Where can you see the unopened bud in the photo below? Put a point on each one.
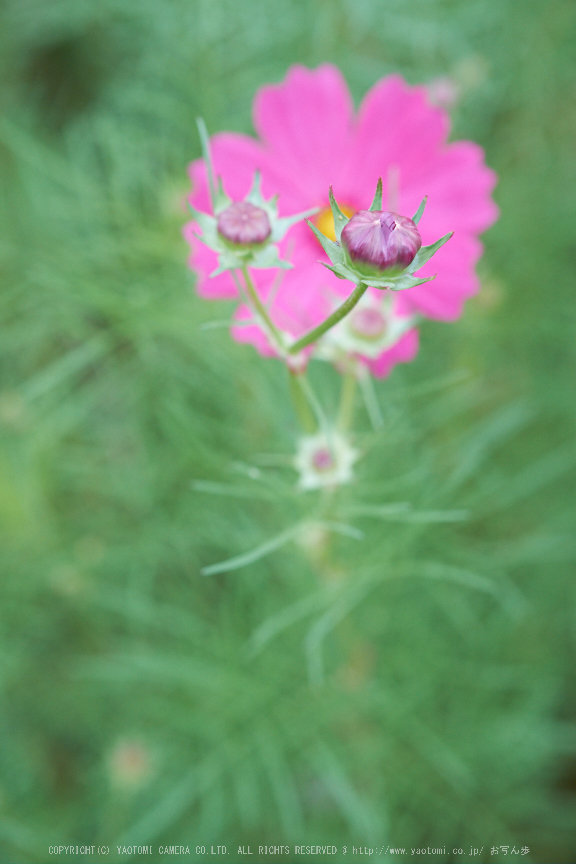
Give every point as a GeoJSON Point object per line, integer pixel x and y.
{"type": "Point", "coordinates": [244, 224]}
{"type": "Point", "coordinates": [367, 322]}
{"type": "Point", "coordinates": [381, 241]}
{"type": "Point", "coordinates": [322, 459]}
{"type": "Point", "coordinates": [130, 765]}
{"type": "Point", "coordinates": [325, 461]}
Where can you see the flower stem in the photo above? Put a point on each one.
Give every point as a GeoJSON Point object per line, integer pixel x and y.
{"type": "Point", "coordinates": [347, 399]}
{"type": "Point", "coordinates": [263, 312]}
{"type": "Point", "coordinates": [305, 401]}
{"type": "Point", "coordinates": [371, 400]}
{"type": "Point", "coordinates": [301, 401]}
{"type": "Point", "coordinates": [333, 319]}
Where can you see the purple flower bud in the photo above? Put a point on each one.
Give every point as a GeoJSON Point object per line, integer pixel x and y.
{"type": "Point", "coordinates": [244, 223]}
{"type": "Point", "coordinates": [381, 240]}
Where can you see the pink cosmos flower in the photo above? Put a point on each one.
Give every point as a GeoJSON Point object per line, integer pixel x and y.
{"type": "Point", "coordinates": [311, 139]}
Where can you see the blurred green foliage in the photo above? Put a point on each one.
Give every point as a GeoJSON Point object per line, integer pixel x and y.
{"type": "Point", "coordinates": [412, 688]}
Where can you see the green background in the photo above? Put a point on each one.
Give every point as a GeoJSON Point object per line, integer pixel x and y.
{"type": "Point", "coordinates": [411, 689]}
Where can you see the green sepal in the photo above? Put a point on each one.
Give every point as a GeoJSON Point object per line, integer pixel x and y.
{"type": "Point", "coordinates": [406, 280]}
{"type": "Point", "coordinates": [209, 236]}
{"type": "Point", "coordinates": [267, 257]}
{"type": "Point", "coordinates": [394, 283]}
{"type": "Point", "coordinates": [255, 194]}
{"type": "Point", "coordinates": [255, 197]}
{"type": "Point", "coordinates": [205, 220]}
{"type": "Point", "coordinates": [222, 201]}
{"type": "Point", "coordinates": [281, 226]}
{"type": "Point", "coordinates": [377, 201]}
{"type": "Point", "coordinates": [227, 261]}
{"type": "Point", "coordinates": [418, 215]}
{"type": "Point", "coordinates": [426, 252]}
{"type": "Point", "coordinates": [205, 144]}
{"type": "Point", "coordinates": [341, 271]}
{"type": "Point", "coordinates": [340, 219]}
{"type": "Point", "coordinates": [332, 249]}
{"type": "Point", "coordinates": [207, 241]}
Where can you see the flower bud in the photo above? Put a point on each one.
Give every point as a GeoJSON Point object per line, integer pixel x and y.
{"type": "Point", "coordinates": [130, 765]}
{"type": "Point", "coordinates": [367, 322]}
{"type": "Point", "coordinates": [325, 460]}
{"type": "Point", "coordinates": [243, 223]}
{"type": "Point", "coordinates": [381, 241]}
{"type": "Point", "coordinates": [322, 459]}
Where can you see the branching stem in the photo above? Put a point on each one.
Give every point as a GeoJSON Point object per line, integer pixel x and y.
{"type": "Point", "coordinates": [263, 312]}
{"type": "Point", "coordinates": [332, 319]}
{"type": "Point", "coordinates": [306, 403]}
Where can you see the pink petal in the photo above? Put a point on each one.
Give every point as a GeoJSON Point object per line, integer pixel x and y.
{"type": "Point", "coordinates": [459, 186]}
{"type": "Point", "coordinates": [396, 128]}
{"type": "Point", "coordinates": [302, 302]}
{"type": "Point", "coordinates": [455, 281]}
{"type": "Point", "coordinates": [235, 158]}
{"type": "Point", "coordinates": [402, 352]}
{"type": "Point", "coordinates": [306, 123]}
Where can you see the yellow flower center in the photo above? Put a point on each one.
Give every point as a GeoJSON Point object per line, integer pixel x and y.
{"type": "Point", "coordinates": [325, 220]}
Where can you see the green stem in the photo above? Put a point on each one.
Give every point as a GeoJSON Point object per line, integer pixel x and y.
{"type": "Point", "coordinates": [313, 401]}
{"type": "Point", "coordinates": [333, 319]}
{"type": "Point", "coordinates": [205, 142]}
{"type": "Point", "coordinates": [370, 400]}
{"type": "Point", "coordinates": [347, 399]}
{"type": "Point", "coordinates": [302, 406]}
{"type": "Point", "coordinates": [305, 401]}
{"type": "Point", "coordinates": [263, 312]}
